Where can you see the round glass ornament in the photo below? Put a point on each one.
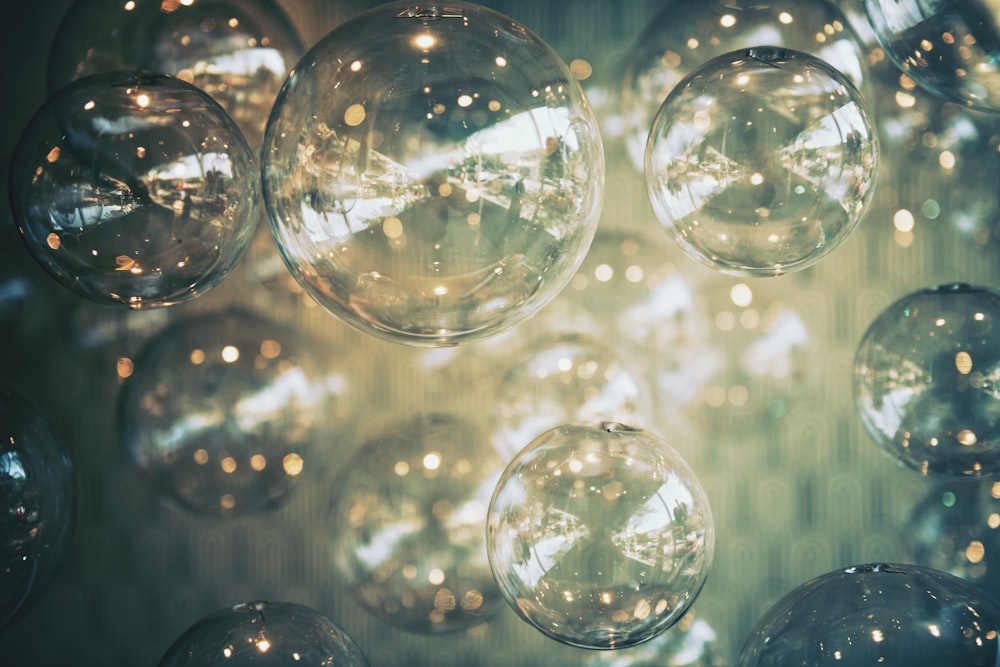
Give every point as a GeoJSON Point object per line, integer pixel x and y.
{"type": "Point", "coordinates": [688, 33]}
{"type": "Point", "coordinates": [134, 189]}
{"type": "Point", "coordinates": [949, 47]}
{"type": "Point", "coordinates": [37, 503]}
{"type": "Point", "coordinates": [432, 174]}
{"type": "Point", "coordinates": [224, 412]}
{"type": "Point", "coordinates": [264, 633]}
{"type": "Point", "coordinates": [237, 52]}
{"type": "Point", "coordinates": [878, 614]}
{"type": "Point", "coordinates": [924, 380]}
{"type": "Point", "coordinates": [761, 161]}
{"type": "Point", "coordinates": [407, 524]}
{"type": "Point", "coordinates": [600, 536]}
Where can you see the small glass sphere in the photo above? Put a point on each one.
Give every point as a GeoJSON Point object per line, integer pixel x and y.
{"type": "Point", "coordinates": [690, 643]}
{"type": "Point", "coordinates": [564, 378]}
{"type": "Point", "coordinates": [924, 380]}
{"type": "Point", "coordinates": [761, 161]}
{"type": "Point", "coordinates": [948, 47]}
{"type": "Point", "coordinates": [600, 536]}
{"type": "Point", "coordinates": [264, 633]}
{"type": "Point", "coordinates": [37, 503]}
{"type": "Point", "coordinates": [687, 33]}
{"type": "Point", "coordinates": [239, 53]}
{"type": "Point", "coordinates": [134, 189]}
{"type": "Point", "coordinates": [225, 412]}
{"type": "Point", "coordinates": [432, 175]}
{"type": "Point", "coordinates": [407, 524]}
{"type": "Point", "coordinates": [878, 614]}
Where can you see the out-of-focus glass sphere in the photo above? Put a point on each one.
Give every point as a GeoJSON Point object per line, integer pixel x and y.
{"type": "Point", "coordinates": [432, 175]}
{"type": "Point", "coordinates": [878, 614]}
{"type": "Point", "coordinates": [925, 380]}
{"type": "Point", "coordinates": [37, 503]}
{"type": "Point", "coordinates": [949, 47]}
{"type": "Point", "coordinates": [564, 378]}
{"type": "Point", "coordinates": [761, 161]}
{"type": "Point", "coordinates": [690, 643]}
{"type": "Point", "coordinates": [600, 536]}
{"type": "Point", "coordinates": [134, 189]}
{"type": "Point", "coordinates": [225, 412]}
{"type": "Point", "coordinates": [688, 33]}
{"type": "Point", "coordinates": [264, 633]}
{"type": "Point", "coordinates": [406, 524]}
{"type": "Point", "coordinates": [237, 52]}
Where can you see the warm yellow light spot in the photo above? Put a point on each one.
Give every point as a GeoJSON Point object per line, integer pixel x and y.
{"type": "Point", "coordinates": [993, 520]}
{"type": "Point", "coordinates": [604, 273]}
{"type": "Point", "coordinates": [129, 6]}
{"type": "Point", "coordinates": [785, 18]}
{"type": "Point", "coordinates": [89, 105]}
{"type": "Point", "coordinates": [432, 460]}
{"type": "Point", "coordinates": [741, 295]}
{"type": "Point", "coordinates": [605, 597]}
{"type": "Point", "coordinates": [979, 317]}
{"type": "Point", "coordinates": [142, 99]}
{"type": "Point", "coordinates": [756, 178]}
{"type": "Point", "coordinates": [230, 354]}
{"type": "Point", "coordinates": [258, 462]}
{"type": "Point", "coordinates": [201, 456]}
{"type": "Point", "coordinates": [905, 100]}
{"type": "Point", "coordinates": [436, 576]}
{"type": "Point", "coordinates": [402, 468]}
{"type": "Point", "coordinates": [947, 160]}
{"type": "Point", "coordinates": [52, 240]}
{"type": "Point", "coordinates": [472, 600]}
{"type": "Point", "coordinates": [692, 43]}
{"type": "Point", "coordinates": [228, 465]}
{"type": "Point", "coordinates": [975, 552]}
{"type": "Point", "coordinates": [124, 263]}
{"type": "Point", "coordinates": [354, 115]}
{"type": "Point", "coordinates": [967, 437]}
{"type": "Point", "coordinates": [263, 645]}
{"type": "Point", "coordinates": [440, 290]}
{"type": "Point", "coordinates": [444, 190]}
{"type": "Point", "coordinates": [634, 274]}
{"type": "Point", "coordinates": [877, 636]}
{"type": "Point", "coordinates": [727, 20]}
{"type": "Point", "coordinates": [292, 464]}
{"type": "Point", "coordinates": [934, 630]}
{"type": "Point", "coordinates": [424, 41]}
{"type": "Point", "coordinates": [228, 651]}
{"type": "Point", "coordinates": [575, 465]}
{"type": "Point", "coordinates": [612, 490]}
{"type": "Point", "coordinates": [356, 66]}
{"type": "Point", "coordinates": [53, 154]}
{"type": "Point", "coordinates": [124, 367]}
{"type": "Point", "coordinates": [940, 322]}
{"type": "Point", "coordinates": [738, 395]}
{"type": "Point", "coordinates": [743, 80]}
{"type": "Point", "coordinates": [464, 100]}
{"type": "Point", "coordinates": [963, 362]}
{"type": "Point", "coordinates": [409, 571]}
{"type": "Point", "coordinates": [581, 69]}
{"type": "Point", "coordinates": [233, 22]}
{"type": "Point", "coordinates": [197, 357]}
{"type": "Point", "coordinates": [444, 600]}
{"type": "Point", "coordinates": [270, 348]}
{"type": "Point", "coordinates": [392, 227]}
{"type": "Point", "coordinates": [494, 105]}
{"type": "Point", "coordinates": [500, 61]}
{"type": "Point", "coordinates": [903, 220]}
{"type": "Point", "coordinates": [227, 502]}
{"type": "Point", "coordinates": [642, 609]}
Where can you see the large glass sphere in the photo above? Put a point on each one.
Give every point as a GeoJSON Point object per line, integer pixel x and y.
{"type": "Point", "coordinates": [237, 52]}
{"type": "Point", "coordinates": [924, 380]}
{"type": "Point", "coordinates": [761, 161]}
{"type": "Point", "coordinates": [949, 47]}
{"type": "Point", "coordinates": [225, 412]}
{"type": "Point", "coordinates": [37, 503]}
{"type": "Point", "coordinates": [878, 614]}
{"type": "Point", "coordinates": [432, 174]}
{"type": "Point", "coordinates": [688, 33]}
{"type": "Point", "coordinates": [406, 524]}
{"type": "Point", "coordinates": [134, 189]}
{"type": "Point", "coordinates": [272, 634]}
{"type": "Point", "coordinates": [600, 536]}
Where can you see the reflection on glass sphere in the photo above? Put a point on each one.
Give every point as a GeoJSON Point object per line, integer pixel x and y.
{"type": "Point", "coordinates": [264, 633]}
{"type": "Point", "coordinates": [761, 161]}
{"type": "Point", "coordinates": [134, 189]}
{"type": "Point", "coordinates": [226, 411]}
{"type": "Point", "coordinates": [878, 614]}
{"type": "Point", "coordinates": [690, 643]}
{"type": "Point", "coordinates": [407, 531]}
{"type": "Point", "coordinates": [949, 47]}
{"type": "Point", "coordinates": [600, 536]}
{"type": "Point", "coordinates": [37, 503]}
{"type": "Point", "coordinates": [564, 378]}
{"type": "Point", "coordinates": [925, 376]}
{"type": "Point", "coordinates": [432, 176]}
{"type": "Point", "coordinates": [239, 53]}
{"type": "Point", "coordinates": [689, 33]}
{"type": "Point", "coordinates": [956, 529]}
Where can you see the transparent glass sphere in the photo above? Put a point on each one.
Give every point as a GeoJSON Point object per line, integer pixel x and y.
{"type": "Point", "coordinates": [134, 189]}
{"type": "Point", "coordinates": [272, 634]}
{"type": "Point", "coordinates": [563, 378]}
{"type": "Point", "coordinates": [406, 524]}
{"type": "Point", "coordinates": [925, 375]}
{"type": "Point", "coordinates": [688, 33]}
{"type": "Point", "coordinates": [949, 47]}
{"type": "Point", "coordinates": [432, 174]}
{"type": "Point", "coordinates": [878, 614]}
{"type": "Point", "coordinates": [237, 52]}
{"type": "Point", "coordinates": [600, 536]}
{"type": "Point", "coordinates": [690, 643]}
{"type": "Point", "coordinates": [226, 412]}
{"type": "Point", "coordinates": [37, 503]}
{"type": "Point", "coordinates": [761, 161]}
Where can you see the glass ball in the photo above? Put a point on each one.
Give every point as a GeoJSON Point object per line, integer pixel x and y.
{"type": "Point", "coordinates": [691, 643]}
{"type": "Point", "coordinates": [239, 53]}
{"type": "Point", "coordinates": [563, 378]}
{"type": "Point", "coordinates": [924, 380]}
{"type": "Point", "coordinates": [264, 633]}
{"type": "Point", "coordinates": [878, 614]}
{"type": "Point", "coordinates": [600, 536]}
{"type": "Point", "coordinates": [688, 33]}
{"type": "Point", "coordinates": [134, 189]}
{"type": "Point", "coordinates": [432, 175]}
{"type": "Point", "coordinates": [761, 161]}
{"type": "Point", "coordinates": [406, 524]}
{"type": "Point", "coordinates": [947, 47]}
{"type": "Point", "coordinates": [226, 412]}
{"type": "Point", "coordinates": [37, 503]}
